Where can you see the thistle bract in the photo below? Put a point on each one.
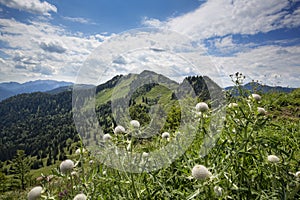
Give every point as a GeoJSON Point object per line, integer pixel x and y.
{"type": "Point", "coordinates": [145, 154]}
{"type": "Point", "coordinates": [165, 135]}
{"type": "Point", "coordinates": [202, 107]}
{"type": "Point", "coordinates": [35, 193]}
{"type": "Point", "coordinates": [119, 129]}
{"type": "Point", "coordinates": [66, 166]}
{"type": "Point", "coordinates": [80, 197]}
{"type": "Point", "coordinates": [79, 151]}
{"type": "Point", "coordinates": [135, 123]}
{"type": "Point", "coordinates": [106, 137]}
{"type": "Point", "coordinates": [273, 159]}
{"type": "Point", "coordinates": [261, 111]}
{"type": "Point", "coordinates": [200, 172]}
{"type": "Point", "coordinates": [256, 97]}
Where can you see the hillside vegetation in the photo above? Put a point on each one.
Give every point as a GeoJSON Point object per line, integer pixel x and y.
{"type": "Point", "coordinates": [255, 154]}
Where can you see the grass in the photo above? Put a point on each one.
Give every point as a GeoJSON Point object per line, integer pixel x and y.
{"type": "Point", "coordinates": [237, 159]}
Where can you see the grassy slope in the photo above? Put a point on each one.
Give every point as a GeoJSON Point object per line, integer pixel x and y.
{"type": "Point", "coordinates": [284, 109]}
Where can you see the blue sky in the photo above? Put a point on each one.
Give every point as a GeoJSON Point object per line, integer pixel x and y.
{"type": "Point", "coordinates": [52, 39]}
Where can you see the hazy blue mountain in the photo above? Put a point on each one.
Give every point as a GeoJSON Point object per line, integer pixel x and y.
{"type": "Point", "coordinates": [257, 87]}
{"type": "Point", "coordinates": [8, 89]}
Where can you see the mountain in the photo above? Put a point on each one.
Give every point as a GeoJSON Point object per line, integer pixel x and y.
{"type": "Point", "coordinates": [42, 123]}
{"type": "Point", "coordinates": [8, 89]}
{"type": "Point", "coordinates": [257, 87]}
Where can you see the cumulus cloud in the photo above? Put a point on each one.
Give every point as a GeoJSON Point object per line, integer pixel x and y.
{"type": "Point", "coordinates": [152, 22]}
{"type": "Point", "coordinates": [220, 18]}
{"type": "Point", "coordinates": [214, 22]}
{"type": "Point", "coordinates": [32, 6]}
{"type": "Point", "coordinates": [37, 49]}
{"type": "Point", "coordinates": [263, 63]}
{"type": "Point", "coordinates": [53, 46]}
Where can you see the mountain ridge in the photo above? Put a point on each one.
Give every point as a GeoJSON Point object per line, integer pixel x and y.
{"type": "Point", "coordinates": [8, 89]}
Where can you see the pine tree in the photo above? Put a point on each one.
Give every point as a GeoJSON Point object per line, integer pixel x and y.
{"type": "Point", "coordinates": [20, 167]}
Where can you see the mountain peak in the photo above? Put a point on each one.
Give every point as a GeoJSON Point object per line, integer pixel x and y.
{"type": "Point", "coordinates": [8, 89]}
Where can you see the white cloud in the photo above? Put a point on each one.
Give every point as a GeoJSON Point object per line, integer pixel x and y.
{"type": "Point", "coordinates": [32, 6]}
{"type": "Point", "coordinates": [38, 49]}
{"type": "Point", "coordinates": [263, 63]}
{"type": "Point", "coordinates": [152, 22]}
{"type": "Point", "coordinates": [79, 20]}
{"type": "Point", "coordinates": [220, 18]}
{"type": "Point", "coordinates": [53, 46]}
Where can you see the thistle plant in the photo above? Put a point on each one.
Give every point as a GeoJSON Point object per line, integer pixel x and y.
{"type": "Point", "coordinates": [253, 157]}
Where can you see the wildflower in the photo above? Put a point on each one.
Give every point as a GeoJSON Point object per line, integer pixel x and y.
{"type": "Point", "coordinates": [66, 166]}
{"type": "Point", "coordinates": [80, 197]}
{"type": "Point", "coordinates": [200, 172]}
{"type": "Point", "coordinates": [106, 137]}
{"type": "Point", "coordinates": [73, 173]}
{"type": "Point", "coordinates": [202, 107]}
{"type": "Point", "coordinates": [35, 193]}
{"type": "Point", "coordinates": [233, 105]}
{"type": "Point", "coordinates": [273, 159]}
{"type": "Point", "coordinates": [256, 97]}
{"type": "Point", "coordinates": [145, 154]}
{"type": "Point", "coordinates": [63, 194]}
{"type": "Point", "coordinates": [119, 129]}
{"type": "Point", "coordinates": [91, 162]}
{"type": "Point", "coordinates": [165, 135]}
{"type": "Point", "coordinates": [135, 123]}
{"type": "Point", "coordinates": [218, 190]}
{"type": "Point", "coordinates": [79, 151]}
{"type": "Point", "coordinates": [261, 111]}
{"type": "Point", "coordinates": [297, 174]}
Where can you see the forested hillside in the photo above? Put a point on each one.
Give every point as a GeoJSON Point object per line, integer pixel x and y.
{"type": "Point", "coordinates": [40, 123]}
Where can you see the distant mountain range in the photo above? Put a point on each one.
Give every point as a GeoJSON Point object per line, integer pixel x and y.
{"type": "Point", "coordinates": [8, 89]}
{"type": "Point", "coordinates": [41, 120]}
{"type": "Point", "coordinates": [257, 87]}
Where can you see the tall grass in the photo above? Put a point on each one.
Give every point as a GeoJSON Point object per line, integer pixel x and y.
{"type": "Point", "coordinates": [239, 164]}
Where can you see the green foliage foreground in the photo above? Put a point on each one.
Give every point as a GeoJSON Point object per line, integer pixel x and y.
{"type": "Point", "coordinates": [256, 157]}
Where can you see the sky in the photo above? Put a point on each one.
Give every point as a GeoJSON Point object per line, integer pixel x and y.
{"type": "Point", "coordinates": [54, 39]}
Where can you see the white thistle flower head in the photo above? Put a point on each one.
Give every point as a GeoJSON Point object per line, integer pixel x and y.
{"type": "Point", "coordinates": [145, 155]}
{"type": "Point", "coordinates": [91, 162]}
{"type": "Point", "coordinates": [35, 193]}
{"type": "Point", "coordinates": [256, 97]}
{"type": "Point", "coordinates": [119, 129]}
{"type": "Point", "coordinates": [106, 137]}
{"type": "Point", "coordinates": [73, 173]}
{"type": "Point", "coordinates": [273, 159]}
{"type": "Point", "coordinates": [297, 174]}
{"type": "Point", "coordinates": [66, 166]}
{"type": "Point", "coordinates": [233, 105]}
{"type": "Point", "coordinates": [261, 111]}
{"type": "Point", "coordinates": [80, 197]}
{"type": "Point", "coordinates": [165, 135]}
{"type": "Point", "coordinates": [135, 123]}
{"type": "Point", "coordinates": [200, 172]}
{"type": "Point", "coordinates": [218, 190]}
{"type": "Point", "coordinates": [202, 107]}
{"type": "Point", "coordinates": [80, 151]}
